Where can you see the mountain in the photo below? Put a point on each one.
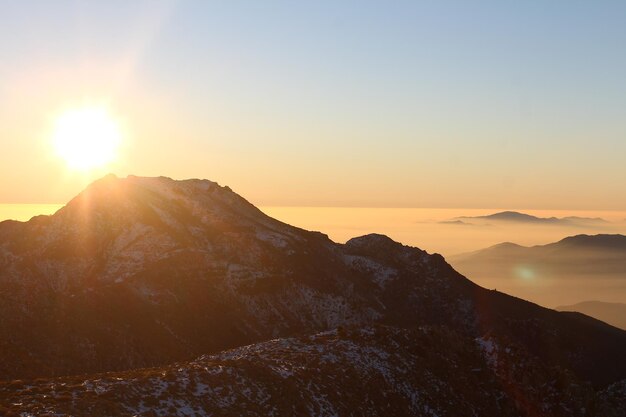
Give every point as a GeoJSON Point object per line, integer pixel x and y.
{"type": "Point", "coordinates": [612, 313]}
{"type": "Point", "coordinates": [573, 268]}
{"type": "Point", "coordinates": [517, 217]}
{"type": "Point", "coordinates": [342, 372]}
{"type": "Point", "coordinates": [603, 242]}
{"type": "Point", "coordinates": [139, 273]}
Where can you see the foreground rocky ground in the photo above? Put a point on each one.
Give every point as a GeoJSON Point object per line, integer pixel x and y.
{"type": "Point", "coordinates": [375, 371]}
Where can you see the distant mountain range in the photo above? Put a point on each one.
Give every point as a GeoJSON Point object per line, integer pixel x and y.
{"type": "Point", "coordinates": [576, 267]}
{"type": "Point", "coordinates": [202, 305]}
{"type": "Point", "coordinates": [612, 313]}
{"type": "Point", "coordinates": [517, 217]}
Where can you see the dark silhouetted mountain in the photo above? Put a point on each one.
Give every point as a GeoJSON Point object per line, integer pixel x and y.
{"type": "Point", "coordinates": [612, 313]}
{"type": "Point", "coordinates": [574, 268]}
{"type": "Point", "coordinates": [514, 216]}
{"type": "Point", "coordinates": [144, 272]}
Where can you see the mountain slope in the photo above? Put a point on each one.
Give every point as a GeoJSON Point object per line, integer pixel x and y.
{"type": "Point", "coordinates": [140, 272]}
{"type": "Point", "coordinates": [373, 371]}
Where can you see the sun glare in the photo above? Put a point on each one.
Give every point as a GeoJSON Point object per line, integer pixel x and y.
{"type": "Point", "coordinates": [86, 138]}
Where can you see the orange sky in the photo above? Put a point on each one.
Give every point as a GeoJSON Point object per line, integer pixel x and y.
{"type": "Point", "coordinates": [416, 227]}
{"type": "Point", "coordinates": [326, 104]}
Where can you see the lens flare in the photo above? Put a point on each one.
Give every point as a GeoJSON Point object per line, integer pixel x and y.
{"type": "Point", "coordinates": [525, 272]}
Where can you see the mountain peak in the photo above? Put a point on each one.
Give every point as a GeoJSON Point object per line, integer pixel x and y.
{"type": "Point", "coordinates": [125, 195]}
{"type": "Point", "coordinates": [373, 243]}
{"type": "Point", "coordinates": [600, 241]}
{"type": "Point", "coordinates": [162, 185]}
{"type": "Point", "coordinates": [517, 216]}
{"type": "Point", "coordinates": [376, 239]}
{"type": "Point", "coordinates": [506, 245]}
{"type": "Point", "coordinates": [117, 226]}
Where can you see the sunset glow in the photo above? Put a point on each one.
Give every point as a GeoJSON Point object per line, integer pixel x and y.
{"type": "Point", "coordinates": [86, 138]}
{"type": "Point", "coordinates": [323, 208]}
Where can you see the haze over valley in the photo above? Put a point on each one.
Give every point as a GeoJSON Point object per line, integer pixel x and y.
{"type": "Point", "coordinates": [433, 229]}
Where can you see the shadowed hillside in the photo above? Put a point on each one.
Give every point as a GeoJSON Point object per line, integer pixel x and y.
{"type": "Point", "coordinates": [341, 372]}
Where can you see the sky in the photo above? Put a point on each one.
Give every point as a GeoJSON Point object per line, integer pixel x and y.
{"type": "Point", "coordinates": [350, 103]}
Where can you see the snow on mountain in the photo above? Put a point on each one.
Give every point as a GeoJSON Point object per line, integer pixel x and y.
{"type": "Point", "coordinates": [375, 371]}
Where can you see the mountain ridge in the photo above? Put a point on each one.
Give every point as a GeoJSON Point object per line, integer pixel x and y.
{"type": "Point", "coordinates": [601, 241]}
{"type": "Point", "coordinates": [519, 217]}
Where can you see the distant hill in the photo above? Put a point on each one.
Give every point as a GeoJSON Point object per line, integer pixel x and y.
{"type": "Point", "coordinates": [514, 216]}
{"type": "Point", "coordinates": [612, 313]}
{"type": "Point", "coordinates": [602, 242]}
{"type": "Point", "coordinates": [563, 272]}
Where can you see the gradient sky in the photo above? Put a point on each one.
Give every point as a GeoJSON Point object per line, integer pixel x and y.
{"type": "Point", "coordinates": [335, 103]}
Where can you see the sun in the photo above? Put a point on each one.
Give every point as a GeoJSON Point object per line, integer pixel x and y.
{"type": "Point", "coordinates": [87, 137]}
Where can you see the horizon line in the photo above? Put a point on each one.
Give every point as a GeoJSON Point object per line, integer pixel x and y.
{"type": "Point", "coordinates": [354, 206]}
